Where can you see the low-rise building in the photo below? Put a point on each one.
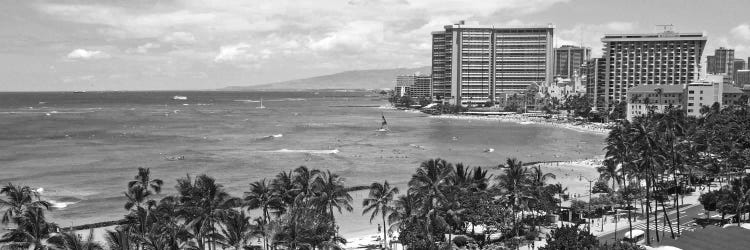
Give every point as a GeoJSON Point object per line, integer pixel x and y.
{"type": "Point", "coordinates": [655, 97]}
{"type": "Point", "coordinates": [414, 86]}
{"type": "Point", "coordinates": [687, 97]}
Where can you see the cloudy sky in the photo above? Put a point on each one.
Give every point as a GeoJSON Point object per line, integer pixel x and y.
{"type": "Point", "coordinates": [207, 44]}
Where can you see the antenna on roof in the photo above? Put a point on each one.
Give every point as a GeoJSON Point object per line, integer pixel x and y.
{"type": "Point", "coordinates": [666, 27]}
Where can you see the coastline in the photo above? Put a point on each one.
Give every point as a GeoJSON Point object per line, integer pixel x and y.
{"type": "Point", "coordinates": [595, 128]}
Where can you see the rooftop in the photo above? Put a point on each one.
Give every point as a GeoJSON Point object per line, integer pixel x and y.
{"type": "Point", "coordinates": [653, 37]}
{"type": "Point", "coordinates": [729, 89]}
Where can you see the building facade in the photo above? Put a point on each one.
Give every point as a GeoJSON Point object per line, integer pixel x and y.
{"type": "Point", "coordinates": [654, 97]}
{"type": "Point", "coordinates": [639, 59]}
{"type": "Point", "coordinates": [476, 64]}
{"type": "Point", "coordinates": [721, 61]}
{"type": "Point", "coordinates": [569, 59]}
{"type": "Point", "coordinates": [595, 70]}
{"type": "Point", "coordinates": [414, 86]}
{"type": "Point", "coordinates": [738, 64]}
{"type": "Point", "coordinates": [687, 97]}
{"type": "Point", "coordinates": [743, 78]}
{"type": "Point", "coordinates": [422, 88]}
{"type": "Point", "coordinates": [403, 85]}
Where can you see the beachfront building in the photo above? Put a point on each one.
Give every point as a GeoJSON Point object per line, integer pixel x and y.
{"type": "Point", "coordinates": [403, 85]}
{"type": "Point", "coordinates": [632, 60]}
{"type": "Point", "coordinates": [415, 86]}
{"type": "Point", "coordinates": [569, 59]}
{"type": "Point", "coordinates": [688, 97]}
{"type": "Point", "coordinates": [422, 88]}
{"type": "Point", "coordinates": [475, 64]}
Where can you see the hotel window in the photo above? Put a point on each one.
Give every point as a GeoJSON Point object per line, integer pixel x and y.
{"type": "Point", "coordinates": [690, 104]}
{"type": "Point", "coordinates": [691, 92]}
{"type": "Point", "coordinates": [690, 111]}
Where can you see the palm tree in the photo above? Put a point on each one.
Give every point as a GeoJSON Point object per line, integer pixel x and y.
{"type": "Point", "coordinates": [538, 177]}
{"type": "Point", "coordinates": [430, 180]}
{"type": "Point", "coordinates": [262, 196]}
{"type": "Point", "coordinates": [119, 239]}
{"type": "Point", "coordinates": [19, 199]}
{"type": "Point", "coordinates": [69, 240]}
{"type": "Point", "coordinates": [304, 180]}
{"type": "Point", "coordinates": [379, 201]}
{"type": "Point", "coordinates": [237, 230]}
{"type": "Point", "coordinates": [332, 194]}
{"type": "Point", "coordinates": [204, 201]}
{"type": "Point", "coordinates": [137, 195]}
{"type": "Point", "coordinates": [32, 229]}
{"type": "Point", "coordinates": [405, 210]}
{"type": "Point", "coordinates": [144, 180]}
{"type": "Point", "coordinates": [610, 171]}
{"type": "Point", "coordinates": [514, 181]}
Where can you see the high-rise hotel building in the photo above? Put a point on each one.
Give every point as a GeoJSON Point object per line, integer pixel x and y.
{"type": "Point", "coordinates": [568, 60]}
{"type": "Point", "coordinates": [637, 59]}
{"type": "Point", "coordinates": [476, 64]}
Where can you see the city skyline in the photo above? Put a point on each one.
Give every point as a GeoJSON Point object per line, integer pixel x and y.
{"type": "Point", "coordinates": [157, 45]}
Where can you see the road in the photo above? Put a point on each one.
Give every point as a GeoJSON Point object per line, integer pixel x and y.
{"type": "Point", "coordinates": [687, 218]}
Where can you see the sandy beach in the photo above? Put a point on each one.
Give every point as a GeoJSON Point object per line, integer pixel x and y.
{"type": "Point", "coordinates": [596, 128]}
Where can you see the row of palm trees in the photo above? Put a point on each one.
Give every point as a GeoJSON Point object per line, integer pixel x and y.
{"type": "Point", "coordinates": [443, 198]}
{"type": "Point", "coordinates": [655, 157]}
{"type": "Point", "coordinates": [296, 212]}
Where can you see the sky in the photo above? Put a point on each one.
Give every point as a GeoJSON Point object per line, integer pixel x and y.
{"type": "Point", "coordinates": [68, 45]}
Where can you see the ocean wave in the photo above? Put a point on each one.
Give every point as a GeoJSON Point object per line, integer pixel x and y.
{"type": "Point", "coordinates": [307, 151]}
{"type": "Point", "coordinates": [61, 204]}
{"type": "Point", "coordinates": [247, 100]}
{"type": "Point", "coordinates": [269, 137]}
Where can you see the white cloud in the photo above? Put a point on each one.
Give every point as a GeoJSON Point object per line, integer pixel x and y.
{"type": "Point", "coordinates": [142, 49]}
{"type": "Point", "coordinates": [742, 31]}
{"type": "Point", "coordinates": [179, 38]}
{"type": "Point", "coordinates": [619, 26]}
{"type": "Point", "coordinates": [590, 35]}
{"type": "Point", "coordinates": [241, 52]}
{"type": "Point", "coordinates": [84, 54]}
{"type": "Point", "coordinates": [356, 36]}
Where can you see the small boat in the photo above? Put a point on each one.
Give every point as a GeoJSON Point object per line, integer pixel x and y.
{"type": "Point", "coordinates": [489, 150]}
{"type": "Point", "coordinates": [79, 91]}
{"type": "Point", "coordinates": [179, 97]}
{"type": "Point", "coordinates": [261, 104]}
{"type": "Point", "coordinates": [383, 125]}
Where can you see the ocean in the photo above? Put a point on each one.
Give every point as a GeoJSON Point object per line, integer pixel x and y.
{"type": "Point", "coordinates": [81, 149]}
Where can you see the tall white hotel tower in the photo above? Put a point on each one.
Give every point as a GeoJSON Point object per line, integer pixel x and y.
{"type": "Point", "coordinates": [476, 64]}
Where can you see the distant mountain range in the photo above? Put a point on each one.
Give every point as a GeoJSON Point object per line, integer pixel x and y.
{"type": "Point", "coordinates": [355, 79]}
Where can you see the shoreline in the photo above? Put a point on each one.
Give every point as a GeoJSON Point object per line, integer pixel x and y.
{"type": "Point", "coordinates": [594, 128]}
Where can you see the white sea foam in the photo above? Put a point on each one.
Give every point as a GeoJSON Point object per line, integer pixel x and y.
{"type": "Point", "coordinates": [61, 204]}
{"type": "Point", "coordinates": [306, 151]}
